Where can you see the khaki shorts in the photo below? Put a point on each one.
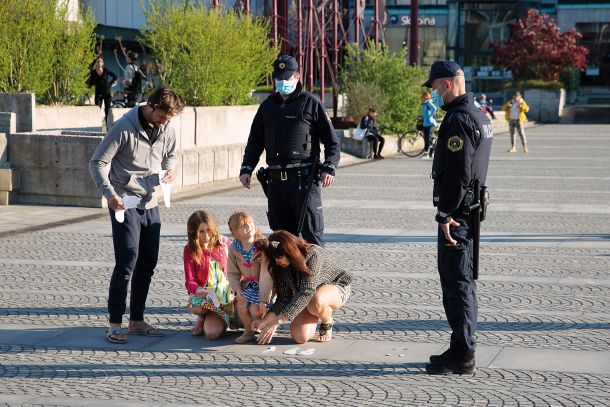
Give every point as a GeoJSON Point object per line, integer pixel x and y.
{"type": "Point", "coordinates": [345, 292]}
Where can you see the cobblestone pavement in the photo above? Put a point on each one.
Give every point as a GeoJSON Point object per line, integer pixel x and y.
{"type": "Point", "coordinates": [544, 325]}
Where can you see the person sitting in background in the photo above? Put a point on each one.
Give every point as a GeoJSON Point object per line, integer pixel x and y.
{"type": "Point", "coordinates": [372, 133]}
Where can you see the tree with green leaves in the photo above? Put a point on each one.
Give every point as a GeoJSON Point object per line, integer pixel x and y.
{"type": "Point", "coordinates": [44, 53]}
{"type": "Point", "coordinates": [210, 57]}
{"type": "Point", "coordinates": [375, 77]}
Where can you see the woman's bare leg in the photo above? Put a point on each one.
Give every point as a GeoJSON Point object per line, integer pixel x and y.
{"type": "Point", "coordinates": [303, 327]}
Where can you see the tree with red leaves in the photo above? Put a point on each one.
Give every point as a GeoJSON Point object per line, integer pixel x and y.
{"type": "Point", "coordinates": [537, 49]}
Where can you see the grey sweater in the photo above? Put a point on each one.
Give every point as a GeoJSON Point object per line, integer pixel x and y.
{"type": "Point", "coordinates": [134, 160]}
{"type": "Point", "coordinates": [295, 290]}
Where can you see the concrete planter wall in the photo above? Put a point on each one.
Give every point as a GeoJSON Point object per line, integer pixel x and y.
{"type": "Point", "coordinates": [53, 166]}
{"type": "Point", "coordinates": [362, 148]}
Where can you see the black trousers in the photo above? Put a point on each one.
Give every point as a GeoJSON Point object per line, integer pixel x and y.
{"type": "Point", "coordinates": [459, 288]}
{"type": "Point", "coordinates": [107, 99]}
{"type": "Point", "coordinates": [377, 143]}
{"type": "Point", "coordinates": [428, 134]}
{"type": "Point", "coordinates": [285, 200]}
{"type": "Point", "coordinates": [136, 250]}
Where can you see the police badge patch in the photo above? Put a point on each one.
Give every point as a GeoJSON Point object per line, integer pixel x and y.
{"type": "Point", "coordinates": [455, 143]}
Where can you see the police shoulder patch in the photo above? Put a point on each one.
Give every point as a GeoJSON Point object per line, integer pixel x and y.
{"type": "Point", "coordinates": [455, 143]}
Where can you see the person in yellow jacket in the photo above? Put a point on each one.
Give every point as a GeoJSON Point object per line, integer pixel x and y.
{"type": "Point", "coordinates": [515, 111]}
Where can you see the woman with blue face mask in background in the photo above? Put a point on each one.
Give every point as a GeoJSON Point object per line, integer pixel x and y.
{"type": "Point", "coordinates": [428, 111]}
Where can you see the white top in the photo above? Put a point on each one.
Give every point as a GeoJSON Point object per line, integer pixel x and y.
{"type": "Point", "coordinates": [514, 111]}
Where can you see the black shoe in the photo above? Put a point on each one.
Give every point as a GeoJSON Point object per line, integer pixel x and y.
{"type": "Point", "coordinates": [451, 363]}
{"type": "Point", "coordinates": [380, 157]}
{"type": "Point", "coordinates": [437, 359]}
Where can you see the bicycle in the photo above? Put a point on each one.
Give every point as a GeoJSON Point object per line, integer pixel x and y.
{"type": "Point", "coordinates": [130, 98]}
{"type": "Point", "coordinates": [412, 143]}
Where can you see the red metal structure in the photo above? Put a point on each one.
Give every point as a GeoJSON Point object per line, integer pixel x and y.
{"type": "Point", "coordinates": [315, 33]}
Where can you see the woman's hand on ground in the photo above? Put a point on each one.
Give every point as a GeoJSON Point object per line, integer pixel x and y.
{"type": "Point", "coordinates": [267, 326]}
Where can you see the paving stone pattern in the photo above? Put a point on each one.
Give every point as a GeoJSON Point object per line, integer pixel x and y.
{"type": "Point", "coordinates": [545, 285]}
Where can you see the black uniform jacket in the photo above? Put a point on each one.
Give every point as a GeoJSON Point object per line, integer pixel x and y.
{"type": "Point", "coordinates": [462, 154]}
{"type": "Point", "coordinates": [290, 131]}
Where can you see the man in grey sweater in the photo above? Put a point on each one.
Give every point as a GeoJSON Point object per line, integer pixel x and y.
{"type": "Point", "coordinates": [137, 147]}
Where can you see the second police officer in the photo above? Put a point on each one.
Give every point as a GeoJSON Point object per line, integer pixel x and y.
{"type": "Point", "coordinates": [289, 126]}
{"type": "Point", "coordinates": [460, 167]}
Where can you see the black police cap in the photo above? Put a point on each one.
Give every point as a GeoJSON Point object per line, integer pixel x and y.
{"type": "Point", "coordinates": [443, 69]}
{"type": "Point", "coordinates": [284, 67]}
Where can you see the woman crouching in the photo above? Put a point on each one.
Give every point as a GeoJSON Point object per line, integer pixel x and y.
{"type": "Point", "coordinates": [309, 286]}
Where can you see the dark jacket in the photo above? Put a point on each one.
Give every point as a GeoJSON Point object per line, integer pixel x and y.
{"type": "Point", "coordinates": [462, 155]}
{"type": "Point", "coordinates": [101, 82]}
{"type": "Point", "coordinates": [290, 131]}
{"type": "Point", "coordinates": [295, 290]}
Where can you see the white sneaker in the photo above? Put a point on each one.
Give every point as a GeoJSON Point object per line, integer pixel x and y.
{"type": "Point", "coordinates": [425, 156]}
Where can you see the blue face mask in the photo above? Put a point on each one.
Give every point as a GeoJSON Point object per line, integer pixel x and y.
{"type": "Point", "coordinates": [436, 98]}
{"type": "Point", "coordinates": [286, 87]}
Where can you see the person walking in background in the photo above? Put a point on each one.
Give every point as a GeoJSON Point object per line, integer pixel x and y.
{"type": "Point", "coordinates": [428, 111]}
{"type": "Point", "coordinates": [126, 167]}
{"type": "Point", "coordinates": [102, 79]}
{"type": "Point", "coordinates": [486, 105]}
{"type": "Point", "coordinates": [377, 141]}
{"type": "Point", "coordinates": [515, 111]}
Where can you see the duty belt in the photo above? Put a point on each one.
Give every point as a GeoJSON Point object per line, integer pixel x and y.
{"type": "Point", "coordinates": [290, 166]}
{"type": "Point", "coordinates": [289, 174]}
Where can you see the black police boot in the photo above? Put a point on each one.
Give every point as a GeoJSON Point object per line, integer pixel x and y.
{"type": "Point", "coordinates": [452, 363]}
{"type": "Point", "coordinates": [446, 355]}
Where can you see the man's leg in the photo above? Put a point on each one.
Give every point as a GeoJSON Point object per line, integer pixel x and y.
{"type": "Point", "coordinates": [147, 261]}
{"type": "Point", "coordinates": [381, 141]}
{"type": "Point", "coordinates": [459, 301]}
{"type": "Point", "coordinates": [126, 241]}
{"type": "Point", "coordinates": [313, 226]}
{"type": "Point", "coordinates": [281, 213]}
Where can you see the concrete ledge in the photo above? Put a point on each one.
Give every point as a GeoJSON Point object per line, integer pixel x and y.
{"type": "Point", "coordinates": [362, 148]}
{"type": "Point", "coordinates": [24, 107]}
{"type": "Point", "coordinates": [3, 149]}
{"type": "Point", "coordinates": [8, 122]}
{"type": "Point", "coordinates": [80, 117]}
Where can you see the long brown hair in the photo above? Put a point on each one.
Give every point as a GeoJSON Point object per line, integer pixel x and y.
{"type": "Point", "coordinates": [283, 243]}
{"type": "Point", "coordinates": [192, 227]}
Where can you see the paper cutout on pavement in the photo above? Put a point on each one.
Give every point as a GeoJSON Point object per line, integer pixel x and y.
{"type": "Point", "coordinates": [292, 351]}
{"type": "Point", "coordinates": [165, 188]}
{"type": "Point", "coordinates": [129, 202]}
{"type": "Point", "coordinates": [308, 352]}
{"type": "Point", "coordinates": [270, 349]}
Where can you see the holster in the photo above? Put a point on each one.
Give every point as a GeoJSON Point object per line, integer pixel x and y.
{"type": "Point", "coordinates": [262, 175]}
{"type": "Point", "coordinates": [485, 201]}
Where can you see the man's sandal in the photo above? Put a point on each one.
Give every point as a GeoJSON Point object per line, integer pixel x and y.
{"type": "Point", "coordinates": [147, 330]}
{"type": "Point", "coordinates": [115, 336]}
{"type": "Point", "coordinates": [325, 329]}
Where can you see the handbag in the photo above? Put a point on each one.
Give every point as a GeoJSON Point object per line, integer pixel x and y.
{"type": "Point", "coordinates": [359, 133]}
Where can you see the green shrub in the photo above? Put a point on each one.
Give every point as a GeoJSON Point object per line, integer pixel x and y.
{"type": "Point", "coordinates": [41, 52]}
{"type": "Point", "coordinates": [393, 85]}
{"type": "Point", "coordinates": [533, 84]}
{"type": "Point", "coordinates": [363, 95]}
{"type": "Point", "coordinates": [570, 78]}
{"type": "Point", "coordinates": [210, 57]}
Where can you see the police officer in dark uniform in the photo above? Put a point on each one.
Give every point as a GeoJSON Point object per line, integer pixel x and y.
{"type": "Point", "coordinates": [459, 168]}
{"type": "Point", "coordinates": [289, 126]}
